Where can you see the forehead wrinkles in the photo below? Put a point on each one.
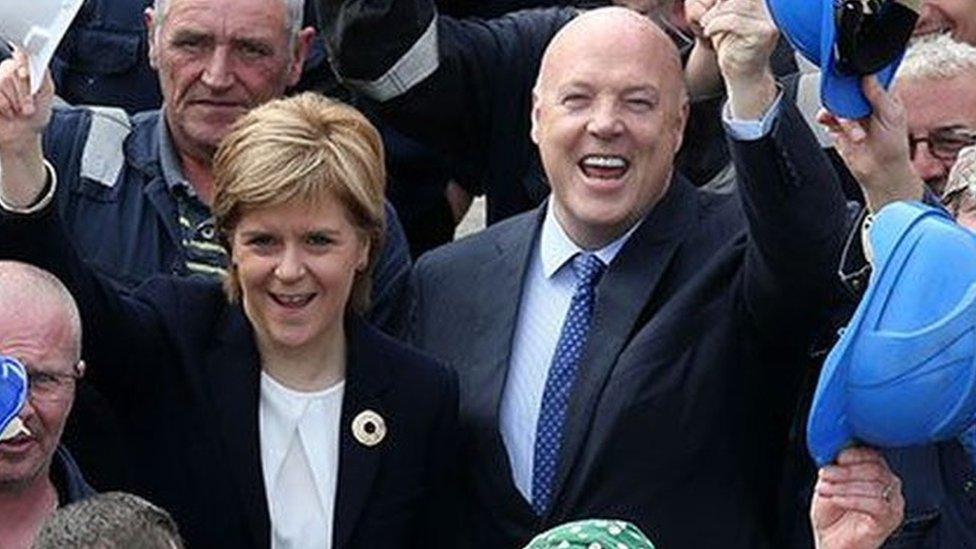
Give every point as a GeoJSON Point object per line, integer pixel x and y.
{"type": "Point", "coordinates": [44, 335]}
{"type": "Point", "coordinates": [249, 20]}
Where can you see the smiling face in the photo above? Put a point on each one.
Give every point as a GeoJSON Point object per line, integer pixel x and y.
{"type": "Point", "coordinates": [40, 336]}
{"type": "Point", "coordinates": [217, 59]}
{"type": "Point", "coordinates": [609, 110]}
{"type": "Point", "coordinates": [926, 113]}
{"type": "Point", "coordinates": [296, 264]}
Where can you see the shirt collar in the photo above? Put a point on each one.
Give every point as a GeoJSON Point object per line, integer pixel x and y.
{"type": "Point", "coordinates": [556, 248]}
{"type": "Point", "coordinates": [169, 161]}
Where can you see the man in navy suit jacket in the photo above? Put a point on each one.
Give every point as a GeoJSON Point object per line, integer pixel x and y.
{"type": "Point", "coordinates": [695, 342]}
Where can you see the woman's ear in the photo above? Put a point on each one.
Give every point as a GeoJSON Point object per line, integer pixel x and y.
{"type": "Point", "coordinates": [363, 262]}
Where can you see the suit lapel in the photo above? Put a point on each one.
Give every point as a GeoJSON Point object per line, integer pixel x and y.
{"type": "Point", "coordinates": [499, 285]}
{"type": "Point", "coordinates": [366, 380]}
{"type": "Point", "coordinates": [232, 374]}
{"type": "Point", "coordinates": [622, 296]}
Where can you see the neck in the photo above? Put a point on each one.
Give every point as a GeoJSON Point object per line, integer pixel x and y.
{"type": "Point", "coordinates": [309, 369]}
{"type": "Point", "coordinates": [24, 509]}
{"type": "Point", "coordinates": [198, 173]}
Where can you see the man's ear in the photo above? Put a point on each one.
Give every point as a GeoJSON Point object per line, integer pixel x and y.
{"type": "Point", "coordinates": [534, 132]}
{"type": "Point", "coordinates": [681, 122]}
{"type": "Point", "coordinates": [149, 18]}
{"type": "Point", "coordinates": [303, 44]}
{"type": "Point", "coordinates": [80, 368]}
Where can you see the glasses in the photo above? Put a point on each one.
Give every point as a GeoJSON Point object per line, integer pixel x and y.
{"type": "Point", "coordinates": [944, 143]}
{"type": "Point", "coordinates": [45, 386]}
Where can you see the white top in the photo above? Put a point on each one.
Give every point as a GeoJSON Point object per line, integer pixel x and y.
{"type": "Point", "coordinates": [549, 287]}
{"type": "Point", "coordinates": [300, 460]}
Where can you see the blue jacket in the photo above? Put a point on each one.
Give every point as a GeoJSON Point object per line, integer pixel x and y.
{"type": "Point", "coordinates": [116, 206]}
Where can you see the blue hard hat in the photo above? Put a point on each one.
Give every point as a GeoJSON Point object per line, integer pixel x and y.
{"type": "Point", "coordinates": [847, 44]}
{"type": "Point", "coordinates": [13, 389]}
{"type": "Point", "coordinates": [904, 371]}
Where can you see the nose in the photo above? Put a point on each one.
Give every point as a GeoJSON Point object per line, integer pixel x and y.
{"type": "Point", "coordinates": [605, 122]}
{"type": "Point", "coordinates": [929, 168]}
{"type": "Point", "coordinates": [218, 74]}
{"type": "Point", "coordinates": [291, 267]}
{"type": "Point", "coordinates": [28, 411]}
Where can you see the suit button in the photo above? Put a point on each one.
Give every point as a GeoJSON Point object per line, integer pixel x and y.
{"type": "Point", "coordinates": [969, 486]}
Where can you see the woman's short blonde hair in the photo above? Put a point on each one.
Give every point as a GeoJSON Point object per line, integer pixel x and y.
{"type": "Point", "coordinates": [306, 149]}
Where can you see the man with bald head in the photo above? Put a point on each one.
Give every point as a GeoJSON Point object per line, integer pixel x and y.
{"type": "Point", "coordinates": [631, 348]}
{"type": "Point", "coordinates": [39, 327]}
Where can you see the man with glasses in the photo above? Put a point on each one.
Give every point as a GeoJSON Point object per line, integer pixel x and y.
{"type": "Point", "coordinates": [41, 329]}
{"type": "Point", "coordinates": [937, 86]}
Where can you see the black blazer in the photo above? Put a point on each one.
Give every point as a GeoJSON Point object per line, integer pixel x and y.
{"type": "Point", "coordinates": [180, 366]}
{"type": "Point", "coordinates": [679, 416]}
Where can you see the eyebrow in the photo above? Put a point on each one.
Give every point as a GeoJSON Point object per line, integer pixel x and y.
{"type": "Point", "coordinates": [251, 42]}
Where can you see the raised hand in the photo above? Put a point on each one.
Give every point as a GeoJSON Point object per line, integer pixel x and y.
{"type": "Point", "coordinates": [857, 503]}
{"type": "Point", "coordinates": [23, 118]}
{"type": "Point", "coordinates": [744, 37]}
{"type": "Point", "coordinates": [875, 149]}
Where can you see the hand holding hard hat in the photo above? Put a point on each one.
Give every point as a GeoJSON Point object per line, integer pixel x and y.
{"type": "Point", "coordinates": [904, 371]}
{"type": "Point", "coordinates": [847, 40]}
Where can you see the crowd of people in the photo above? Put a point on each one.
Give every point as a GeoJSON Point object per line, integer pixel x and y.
{"type": "Point", "coordinates": [204, 276]}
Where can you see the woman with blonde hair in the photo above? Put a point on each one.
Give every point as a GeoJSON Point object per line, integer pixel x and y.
{"type": "Point", "coordinates": [267, 413]}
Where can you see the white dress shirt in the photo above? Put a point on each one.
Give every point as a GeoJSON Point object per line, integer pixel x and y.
{"type": "Point", "coordinates": [549, 287]}
{"type": "Point", "coordinates": [299, 435]}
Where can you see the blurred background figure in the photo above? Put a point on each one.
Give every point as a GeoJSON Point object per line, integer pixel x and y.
{"type": "Point", "coordinates": [114, 520]}
{"type": "Point", "coordinates": [960, 192]}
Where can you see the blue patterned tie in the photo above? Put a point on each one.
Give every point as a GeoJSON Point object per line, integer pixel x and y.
{"type": "Point", "coordinates": [559, 381]}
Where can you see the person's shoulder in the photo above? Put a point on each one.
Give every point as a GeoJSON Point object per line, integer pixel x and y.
{"type": "Point", "coordinates": [183, 300]}
{"type": "Point", "coordinates": [408, 369]}
{"type": "Point", "coordinates": [388, 350]}
{"type": "Point", "coordinates": [471, 250]}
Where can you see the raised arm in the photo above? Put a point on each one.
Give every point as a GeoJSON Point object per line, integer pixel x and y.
{"type": "Point", "coordinates": [118, 331]}
{"type": "Point", "coordinates": [797, 217]}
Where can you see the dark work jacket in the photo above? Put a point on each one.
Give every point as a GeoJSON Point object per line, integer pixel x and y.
{"type": "Point", "coordinates": [180, 367]}
{"type": "Point", "coordinates": [67, 478]}
{"type": "Point", "coordinates": [939, 486]}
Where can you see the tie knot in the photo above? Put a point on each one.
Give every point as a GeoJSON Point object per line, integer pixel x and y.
{"type": "Point", "coordinates": [588, 269]}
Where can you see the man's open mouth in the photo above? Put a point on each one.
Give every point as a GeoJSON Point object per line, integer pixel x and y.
{"type": "Point", "coordinates": [600, 166]}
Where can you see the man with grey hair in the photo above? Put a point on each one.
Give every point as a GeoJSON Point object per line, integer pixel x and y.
{"type": "Point", "coordinates": [936, 84]}
{"type": "Point", "coordinates": [114, 520]}
{"type": "Point", "coordinates": [40, 328]}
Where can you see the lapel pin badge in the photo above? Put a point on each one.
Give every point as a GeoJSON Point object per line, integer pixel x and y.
{"type": "Point", "coordinates": [369, 428]}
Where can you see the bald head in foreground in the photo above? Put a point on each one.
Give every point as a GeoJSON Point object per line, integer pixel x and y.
{"type": "Point", "coordinates": [609, 110]}
{"type": "Point", "coordinates": [39, 327]}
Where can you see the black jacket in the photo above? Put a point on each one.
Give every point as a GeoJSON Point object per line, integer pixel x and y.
{"type": "Point", "coordinates": [180, 366]}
